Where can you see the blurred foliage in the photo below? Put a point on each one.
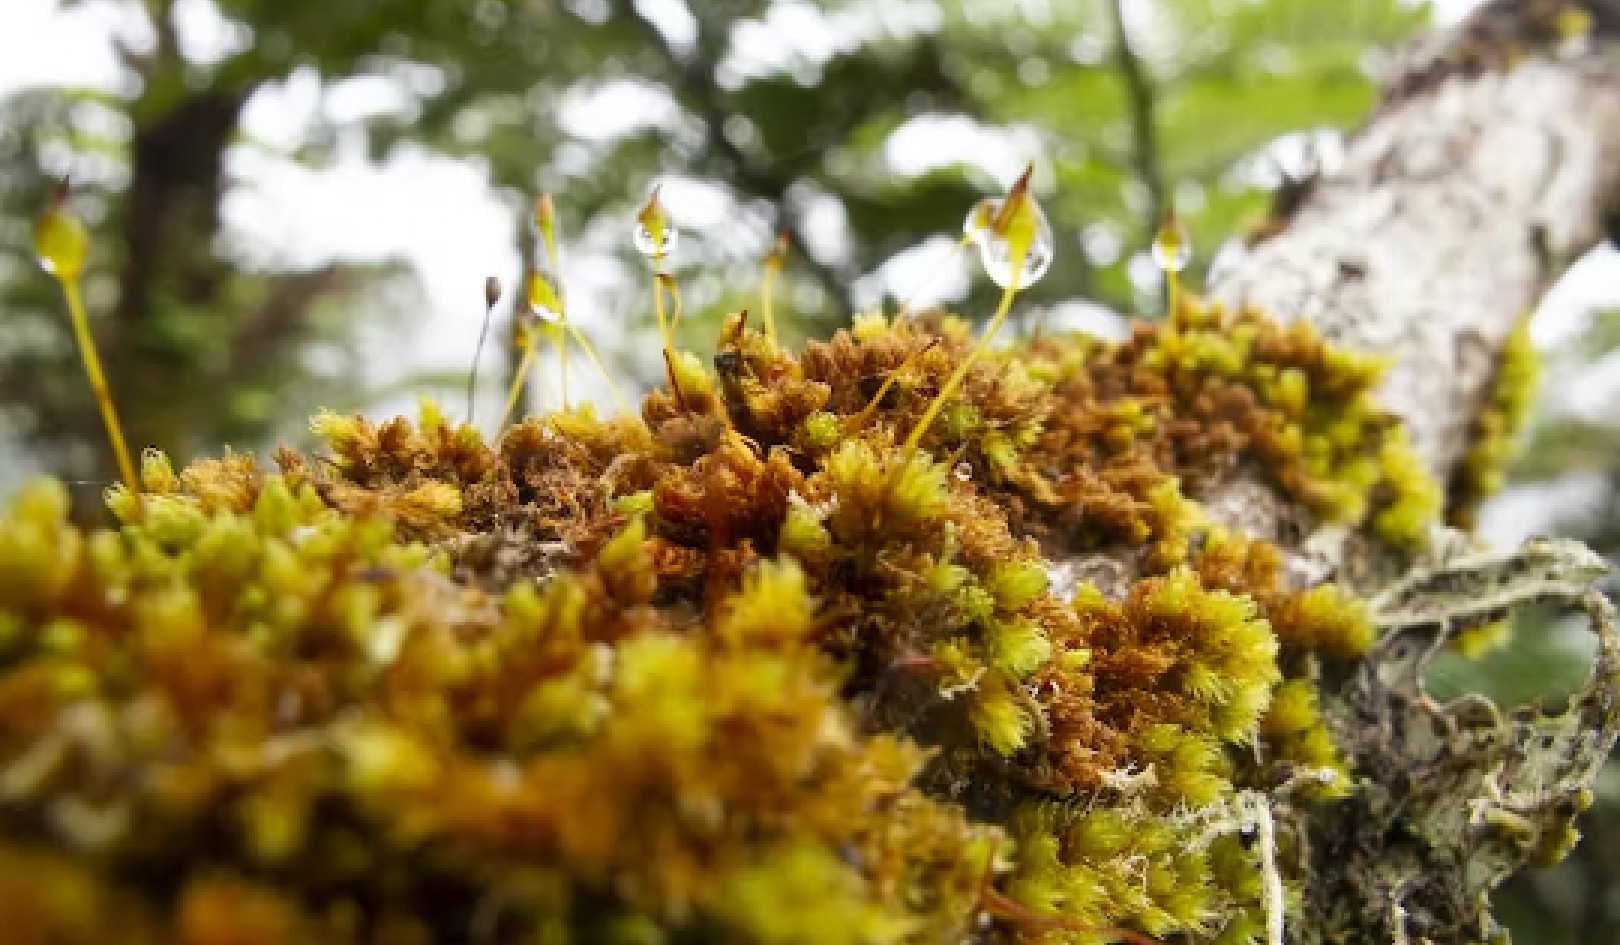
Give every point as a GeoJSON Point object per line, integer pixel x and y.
{"type": "Point", "coordinates": [788, 111]}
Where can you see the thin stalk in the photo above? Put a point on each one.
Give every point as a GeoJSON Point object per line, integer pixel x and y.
{"type": "Point", "coordinates": [525, 365]}
{"type": "Point", "coordinates": [674, 290]}
{"type": "Point", "coordinates": [997, 903]}
{"type": "Point", "coordinates": [478, 352]}
{"type": "Point", "coordinates": [98, 385]}
{"type": "Point", "coordinates": [562, 316]}
{"type": "Point", "coordinates": [663, 323]}
{"type": "Point", "coordinates": [933, 276]}
{"type": "Point", "coordinates": [766, 289]}
{"type": "Point", "coordinates": [858, 422]}
{"type": "Point", "coordinates": [590, 352]}
{"type": "Point", "coordinates": [960, 374]}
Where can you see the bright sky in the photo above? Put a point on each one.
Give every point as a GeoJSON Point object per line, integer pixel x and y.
{"type": "Point", "coordinates": [439, 214]}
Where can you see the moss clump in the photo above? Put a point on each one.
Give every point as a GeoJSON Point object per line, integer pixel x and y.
{"type": "Point", "coordinates": [741, 669]}
{"type": "Point", "coordinates": [1206, 391]}
{"type": "Point", "coordinates": [1496, 427]}
{"type": "Point", "coordinates": [296, 728]}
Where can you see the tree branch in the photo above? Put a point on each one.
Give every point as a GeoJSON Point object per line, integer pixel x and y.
{"type": "Point", "coordinates": [1144, 131]}
{"type": "Point", "coordinates": [1455, 210]}
{"type": "Point", "coordinates": [1492, 164]}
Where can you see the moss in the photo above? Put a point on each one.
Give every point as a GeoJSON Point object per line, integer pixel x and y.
{"type": "Point", "coordinates": [317, 698]}
{"type": "Point", "coordinates": [1192, 397]}
{"type": "Point", "coordinates": [1496, 427]}
{"type": "Point", "coordinates": [1477, 642]}
{"type": "Point", "coordinates": [738, 670]}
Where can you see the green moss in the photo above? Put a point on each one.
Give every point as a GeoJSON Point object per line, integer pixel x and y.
{"type": "Point", "coordinates": [733, 671]}
{"type": "Point", "coordinates": [286, 663]}
{"type": "Point", "coordinates": [1496, 427]}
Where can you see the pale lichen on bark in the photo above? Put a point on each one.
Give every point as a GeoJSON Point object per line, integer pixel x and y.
{"type": "Point", "coordinates": [1452, 799]}
{"type": "Point", "coordinates": [1491, 166]}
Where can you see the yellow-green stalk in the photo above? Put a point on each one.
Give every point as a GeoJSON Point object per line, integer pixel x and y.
{"type": "Point", "coordinates": [1017, 223]}
{"type": "Point", "coordinates": [545, 223]}
{"type": "Point", "coordinates": [773, 267]}
{"type": "Point", "coordinates": [61, 245]}
{"type": "Point", "coordinates": [540, 298]}
{"type": "Point", "coordinates": [1172, 250]}
{"type": "Point", "coordinates": [933, 276]}
{"type": "Point", "coordinates": [654, 237]}
{"type": "Point", "coordinates": [858, 422]}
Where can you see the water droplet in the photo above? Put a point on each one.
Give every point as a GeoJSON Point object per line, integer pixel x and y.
{"type": "Point", "coordinates": [61, 242]}
{"type": "Point", "coordinates": [1172, 247]}
{"type": "Point", "coordinates": [542, 296]}
{"type": "Point", "coordinates": [648, 245]}
{"type": "Point", "coordinates": [963, 471]}
{"type": "Point", "coordinates": [655, 237]}
{"type": "Point", "coordinates": [996, 249]}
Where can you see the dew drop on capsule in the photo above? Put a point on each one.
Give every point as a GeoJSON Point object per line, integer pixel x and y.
{"type": "Point", "coordinates": [963, 471]}
{"type": "Point", "coordinates": [996, 251]}
{"type": "Point", "coordinates": [654, 236]}
{"type": "Point", "coordinates": [649, 246]}
{"type": "Point", "coordinates": [61, 242]}
{"type": "Point", "coordinates": [542, 297]}
{"type": "Point", "coordinates": [1172, 247]}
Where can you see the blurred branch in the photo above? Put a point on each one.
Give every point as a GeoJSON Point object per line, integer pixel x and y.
{"type": "Point", "coordinates": [1144, 132]}
{"type": "Point", "coordinates": [278, 322]}
{"type": "Point", "coordinates": [694, 81]}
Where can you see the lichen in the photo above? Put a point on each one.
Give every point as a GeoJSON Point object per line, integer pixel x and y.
{"type": "Point", "coordinates": [742, 669]}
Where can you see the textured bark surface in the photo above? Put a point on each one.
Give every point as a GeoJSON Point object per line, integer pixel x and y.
{"type": "Point", "coordinates": [1488, 170]}
{"type": "Point", "coordinates": [1453, 799]}
{"type": "Point", "coordinates": [1493, 164]}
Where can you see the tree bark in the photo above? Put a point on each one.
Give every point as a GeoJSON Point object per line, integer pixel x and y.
{"type": "Point", "coordinates": [1492, 164]}
{"type": "Point", "coordinates": [1467, 194]}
